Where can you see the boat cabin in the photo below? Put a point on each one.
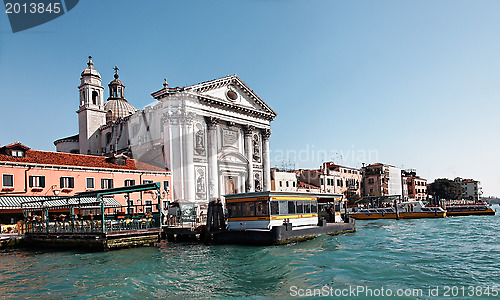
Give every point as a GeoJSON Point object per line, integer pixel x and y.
{"type": "Point", "coordinates": [264, 210]}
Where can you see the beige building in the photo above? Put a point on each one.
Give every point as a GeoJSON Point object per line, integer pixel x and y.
{"type": "Point", "coordinates": [414, 187]}
{"type": "Point", "coordinates": [381, 180]}
{"type": "Point", "coordinates": [332, 178]}
{"type": "Point", "coordinates": [472, 188]}
{"type": "Point", "coordinates": [283, 181]}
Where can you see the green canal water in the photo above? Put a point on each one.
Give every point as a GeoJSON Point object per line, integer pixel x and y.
{"type": "Point", "coordinates": [460, 255]}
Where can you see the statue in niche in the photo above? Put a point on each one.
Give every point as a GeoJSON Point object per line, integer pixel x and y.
{"type": "Point", "coordinates": [258, 186]}
{"type": "Point", "coordinates": [199, 137]}
{"type": "Point", "coordinates": [200, 181]}
{"type": "Point", "coordinates": [256, 148]}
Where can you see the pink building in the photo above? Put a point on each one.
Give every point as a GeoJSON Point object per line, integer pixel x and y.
{"type": "Point", "coordinates": [28, 173]}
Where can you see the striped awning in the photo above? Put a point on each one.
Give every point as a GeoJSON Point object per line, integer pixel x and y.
{"type": "Point", "coordinates": [34, 202]}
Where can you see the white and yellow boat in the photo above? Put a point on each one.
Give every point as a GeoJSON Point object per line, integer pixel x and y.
{"type": "Point", "coordinates": [404, 210]}
{"type": "Point", "coordinates": [280, 217]}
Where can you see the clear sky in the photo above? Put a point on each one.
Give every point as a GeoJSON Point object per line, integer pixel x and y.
{"type": "Point", "coordinates": [415, 83]}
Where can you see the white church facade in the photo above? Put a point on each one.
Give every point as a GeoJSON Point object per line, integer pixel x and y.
{"type": "Point", "coordinates": [212, 136]}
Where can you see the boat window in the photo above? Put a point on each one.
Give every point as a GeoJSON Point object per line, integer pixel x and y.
{"type": "Point", "coordinates": [314, 207]}
{"type": "Point", "coordinates": [248, 209]}
{"type": "Point", "coordinates": [300, 207]}
{"type": "Point", "coordinates": [307, 207]}
{"type": "Point", "coordinates": [283, 207]}
{"type": "Point", "coordinates": [291, 207]}
{"type": "Point", "coordinates": [261, 208]}
{"type": "Point", "coordinates": [274, 208]}
{"type": "Point", "coordinates": [234, 209]}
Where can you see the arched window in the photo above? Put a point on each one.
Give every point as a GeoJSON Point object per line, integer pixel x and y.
{"type": "Point", "coordinates": [108, 138]}
{"type": "Point", "coordinates": [95, 97]}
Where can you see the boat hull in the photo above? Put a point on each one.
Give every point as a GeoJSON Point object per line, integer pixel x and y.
{"type": "Point", "coordinates": [402, 215]}
{"type": "Point", "coordinates": [488, 212]}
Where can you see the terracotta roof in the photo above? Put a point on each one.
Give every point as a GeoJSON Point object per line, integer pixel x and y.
{"type": "Point", "coordinates": [16, 145]}
{"type": "Point", "coordinates": [301, 184]}
{"type": "Point", "coordinates": [67, 159]}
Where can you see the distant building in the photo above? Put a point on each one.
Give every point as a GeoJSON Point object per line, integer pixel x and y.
{"type": "Point", "coordinates": [382, 180]}
{"type": "Point", "coordinates": [414, 187]}
{"type": "Point", "coordinates": [332, 178]}
{"type": "Point", "coordinates": [283, 180]}
{"type": "Point", "coordinates": [346, 181]}
{"type": "Point", "coordinates": [31, 174]}
{"type": "Point", "coordinates": [472, 188]}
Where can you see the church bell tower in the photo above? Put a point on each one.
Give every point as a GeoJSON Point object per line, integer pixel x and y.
{"type": "Point", "coordinates": [91, 114]}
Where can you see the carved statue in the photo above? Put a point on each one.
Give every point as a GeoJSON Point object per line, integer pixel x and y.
{"type": "Point", "coordinates": [200, 181]}
{"type": "Point", "coordinates": [199, 140]}
{"type": "Point", "coordinates": [256, 148]}
{"type": "Point", "coordinates": [258, 186]}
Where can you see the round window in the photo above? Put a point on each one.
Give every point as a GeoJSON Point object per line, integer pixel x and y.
{"type": "Point", "coordinates": [231, 95]}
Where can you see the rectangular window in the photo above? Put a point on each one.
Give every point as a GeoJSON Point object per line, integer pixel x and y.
{"type": "Point", "coordinates": [66, 182]}
{"type": "Point", "coordinates": [307, 207]}
{"type": "Point", "coordinates": [287, 184]}
{"type": "Point", "coordinates": [248, 209]}
{"type": "Point", "coordinates": [234, 210]}
{"type": "Point", "coordinates": [283, 207]}
{"type": "Point", "coordinates": [17, 153]}
{"type": "Point", "coordinates": [106, 183]}
{"type": "Point", "coordinates": [314, 207]}
{"type": "Point", "coordinates": [261, 208]}
{"type": "Point", "coordinates": [129, 182]}
{"type": "Point", "coordinates": [166, 185]}
{"type": "Point", "coordinates": [147, 181]}
{"type": "Point", "coordinates": [8, 180]}
{"type": "Point", "coordinates": [90, 183]}
{"type": "Point", "coordinates": [300, 207]}
{"type": "Point", "coordinates": [130, 207]}
{"type": "Point", "coordinates": [274, 208]}
{"type": "Point", "coordinates": [37, 181]}
{"type": "Point", "coordinates": [149, 206]}
{"type": "Point", "coordinates": [291, 207]}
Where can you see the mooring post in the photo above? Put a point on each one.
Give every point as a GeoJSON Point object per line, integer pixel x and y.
{"type": "Point", "coordinates": [396, 208]}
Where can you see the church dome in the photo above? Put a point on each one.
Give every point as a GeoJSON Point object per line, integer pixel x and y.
{"type": "Point", "coordinates": [118, 108]}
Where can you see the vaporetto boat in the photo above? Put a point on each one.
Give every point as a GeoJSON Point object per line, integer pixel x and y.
{"type": "Point", "coordinates": [404, 210]}
{"type": "Point", "coordinates": [458, 209]}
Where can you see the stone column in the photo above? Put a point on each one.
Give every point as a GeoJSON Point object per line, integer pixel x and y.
{"type": "Point", "coordinates": [175, 145]}
{"type": "Point", "coordinates": [188, 162]}
{"type": "Point", "coordinates": [213, 167]}
{"type": "Point", "coordinates": [266, 159]}
{"type": "Point", "coordinates": [248, 130]}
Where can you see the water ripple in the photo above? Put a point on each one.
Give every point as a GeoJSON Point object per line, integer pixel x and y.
{"type": "Point", "coordinates": [392, 254]}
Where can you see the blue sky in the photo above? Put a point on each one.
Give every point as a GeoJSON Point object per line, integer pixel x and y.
{"type": "Point", "coordinates": [412, 83]}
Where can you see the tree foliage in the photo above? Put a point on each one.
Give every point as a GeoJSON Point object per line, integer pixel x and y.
{"type": "Point", "coordinates": [445, 189]}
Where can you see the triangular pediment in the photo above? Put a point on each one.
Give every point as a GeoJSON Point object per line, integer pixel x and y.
{"type": "Point", "coordinates": [234, 91]}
